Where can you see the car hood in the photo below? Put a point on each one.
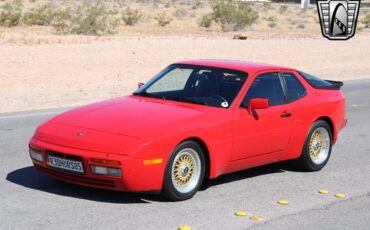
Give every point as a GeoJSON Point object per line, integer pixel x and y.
{"type": "Point", "coordinates": [130, 116]}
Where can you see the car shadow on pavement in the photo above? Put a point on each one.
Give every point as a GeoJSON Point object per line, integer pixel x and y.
{"type": "Point", "coordinates": [29, 177]}
{"type": "Point", "coordinates": [279, 167]}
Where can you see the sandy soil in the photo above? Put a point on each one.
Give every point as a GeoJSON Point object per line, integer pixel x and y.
{"type": "Point", "coordinates": [59, 75]}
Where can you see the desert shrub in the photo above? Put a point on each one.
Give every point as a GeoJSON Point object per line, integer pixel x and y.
{"type": "Point", "coordinates": [366, 21]}
{"type": "Point", "coordinates": [89, 19]}
{"type": "Point", "coordinates": [11, 13]}
{"type": "Point", "coordinates": [283, 9]}
{"type": "Point", "coordinates": [206, 21]}
{"type": "Point", "coordinates": [62, 20]}
{"type": "Point", "coordinates": [42, 16]}
{"type": "Point", "coordinates": [271, 19]}
{"type": "Point", "coordinates": [197, 4]}
{"type": "Point", "coordinates": [233, 15]}
{"type": "Point", "coordinates": [167, 5]}
{"type": "Point", "coordinates": [267, 5]}
{"type": "Point", "coordinates": [302, 12]}
{"type": "Point", "coordinates": [131, 17]}
{"type": "Point", "coordinates": [301, 26]}
{"type": "Point", "coordinates": [180, 13]}
{"type": "Point", "coordinates": [163, 19]}
{"type": "Point", "coordinates": [272, 24]}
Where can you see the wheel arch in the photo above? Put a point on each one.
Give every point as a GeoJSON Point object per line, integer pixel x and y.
{"type": "Point", "coordinates": [205, 149]}
{"type": "Point", "coordinates": [329, 121]}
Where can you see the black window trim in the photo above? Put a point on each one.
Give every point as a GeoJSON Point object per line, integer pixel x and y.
{"type": "Point", "coordinates": [182, 65]}
{"type": "Point", "coordinates": [286, 87]}
{"type": "Point", "coordinates": [283, 86]}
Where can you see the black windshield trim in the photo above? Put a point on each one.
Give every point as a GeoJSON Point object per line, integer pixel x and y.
{"type": "Point", "coordinates": [142, 91]}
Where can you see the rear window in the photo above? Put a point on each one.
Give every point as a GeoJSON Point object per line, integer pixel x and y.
{"type": "Point", "coordinates": [315, 81]}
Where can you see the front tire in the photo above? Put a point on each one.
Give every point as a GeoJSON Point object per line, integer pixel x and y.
{"type": "Point", "coordinates": [184, 171]}
{"type": "Point", "coordinates": [317, 148]}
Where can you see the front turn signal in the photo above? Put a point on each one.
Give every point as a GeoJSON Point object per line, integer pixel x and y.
{"type": "Point", "coordinates": [153, 161]}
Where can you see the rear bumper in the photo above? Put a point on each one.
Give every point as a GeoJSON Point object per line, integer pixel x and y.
{"type": "Point", "coordinates": [135, 175]}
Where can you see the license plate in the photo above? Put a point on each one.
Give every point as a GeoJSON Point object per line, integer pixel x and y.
{"type": "Point", "coordinates": [69, 165]}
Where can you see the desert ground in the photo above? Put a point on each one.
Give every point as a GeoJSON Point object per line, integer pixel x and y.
{"type": "Point", "coordinates": [62, 75]}
{"type": "Point", "coordinates": [42, 69]}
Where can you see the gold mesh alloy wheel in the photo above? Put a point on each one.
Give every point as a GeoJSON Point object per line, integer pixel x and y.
{"type": "Point", "coordinates": [186, 170]}
{"type": "Point", "coordinates": [319, 145]}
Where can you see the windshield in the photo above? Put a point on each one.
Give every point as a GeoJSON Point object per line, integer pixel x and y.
{"type": "Point", "coordinates": [195, 84]}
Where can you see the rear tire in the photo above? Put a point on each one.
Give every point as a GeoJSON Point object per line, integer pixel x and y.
{"type": "Point", "coordinates": [184, 171]}
{"type": "Point", "coordinates": [317, 148]}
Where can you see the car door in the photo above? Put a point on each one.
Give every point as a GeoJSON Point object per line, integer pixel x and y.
{"type": "Point", "coordinates": [262, 131]}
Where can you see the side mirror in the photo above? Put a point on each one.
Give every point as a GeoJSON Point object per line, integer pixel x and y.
{"type": "Point", "coordinates": [139, 85]}
{"type": "Point", "coordinates": [258, 103]}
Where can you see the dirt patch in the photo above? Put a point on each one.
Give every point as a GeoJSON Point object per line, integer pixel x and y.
{"type": "Point", "coordinates": [44, 76]}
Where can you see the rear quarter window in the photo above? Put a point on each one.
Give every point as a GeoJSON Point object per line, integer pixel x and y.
{"type": "Point", "coordinates": [314, 81]}
{"type": "Point", "coordinates": [295, 89]}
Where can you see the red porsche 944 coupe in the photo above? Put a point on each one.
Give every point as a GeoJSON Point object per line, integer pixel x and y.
{"type": "Point", "coordinates": [194, 120]}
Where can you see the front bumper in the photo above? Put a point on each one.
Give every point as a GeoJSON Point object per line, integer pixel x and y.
{"type": "Point", "coordinates": [135, 175]}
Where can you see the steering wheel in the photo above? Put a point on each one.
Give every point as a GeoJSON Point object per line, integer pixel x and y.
{"type": "Point", "coordinates": [221, 98]}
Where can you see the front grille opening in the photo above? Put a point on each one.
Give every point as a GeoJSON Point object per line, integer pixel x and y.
{"type": "Point", "coordinates": [64, 155]}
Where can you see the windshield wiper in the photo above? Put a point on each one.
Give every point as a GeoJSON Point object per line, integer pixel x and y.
{"type": "Point", "coordinates": [145, 94]}
{"type": "Point", "coordinates": [190, 100]}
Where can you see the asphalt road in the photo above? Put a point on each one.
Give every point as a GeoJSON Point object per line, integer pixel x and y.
{"type": "Point", "coordinates": [30, 200]}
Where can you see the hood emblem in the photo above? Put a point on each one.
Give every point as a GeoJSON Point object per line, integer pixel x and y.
{"type": "Point", "coordinates": [80, 133]}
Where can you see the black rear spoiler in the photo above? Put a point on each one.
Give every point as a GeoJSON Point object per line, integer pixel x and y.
{"type": "Point", "coordinates": [334, 85]}
{"type": "Point", "coordinates": [319, 83]}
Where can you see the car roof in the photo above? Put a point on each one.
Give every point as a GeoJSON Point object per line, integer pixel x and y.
{"type": "Point", "coordinates": [245, 66]}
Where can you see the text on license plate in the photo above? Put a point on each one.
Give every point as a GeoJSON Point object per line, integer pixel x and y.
{"type": "Point", "coordinates": [70, 165]}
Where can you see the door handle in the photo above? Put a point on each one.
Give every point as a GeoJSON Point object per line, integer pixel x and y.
{"type": "Point", "coordinates": [285, 115]}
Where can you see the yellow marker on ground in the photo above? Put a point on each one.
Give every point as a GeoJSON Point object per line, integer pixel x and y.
{"type": "Point", "coordinates": [184, 228]}
{"type": "Point", "coordinates": [354, 105]}
{"type": "Point", "coordinates": [240, 213]}
{"type": "Point", "coordinates": [282, 201]}
{"type": "Point", "coordinates": [256, 218]}
{"type": "Point", "coordinates": [323, 191]}
{"type": "Point", "coordinates": [340, 195]}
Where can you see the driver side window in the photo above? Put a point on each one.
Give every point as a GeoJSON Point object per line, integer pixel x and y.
{"type": "Point", "coordinates": [267, 86]}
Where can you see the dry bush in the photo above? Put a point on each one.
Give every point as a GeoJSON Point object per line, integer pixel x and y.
{"type": "Point", "coordinates": [233, 15]}
{"type": "Point", "coordinates": [131, 17]}
{"type": "Point", "coordinates": [271, 19]}
{"type": "Point", "coordinates": [11, 13]}
{"type": "Point", "coordinates": [89, 19]}
{"type": "Point", "coordinates": [283, 9]}
{"type": "Point", "coordinates": [163, 19]}
{"type": "Point", "coordinates": [180, 13]}
{"type": "Point", "coordinates": [267, 6]}
{"type": "Point", "coordinates": [366, 21]}
{"type": "Point", "coordinates": [167, 5]}
{"type": "Point", "coordinates": [198, 4]}
{"type": "Point", "coordinates": [205, 21]}
{"type": "Point", "coordinates": [301, 26]}
{"type": "Point", "coordinates": [272, 24]}
{"type": "Point", "coordinates": [62, 20]}
{"type": "Point", "coordinates": [42, 16]}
